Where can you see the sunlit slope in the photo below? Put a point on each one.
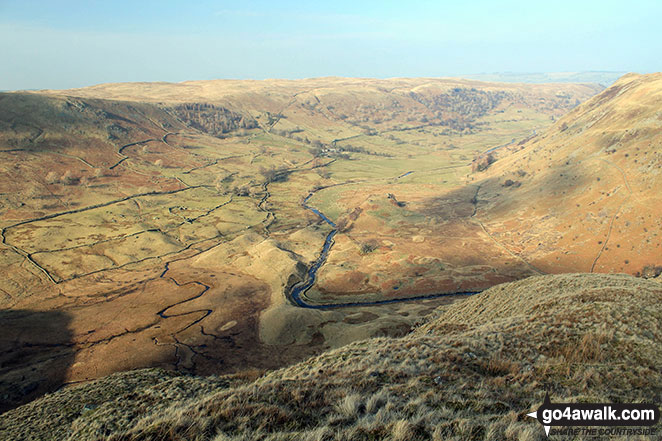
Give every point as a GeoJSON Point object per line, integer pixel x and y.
{"type": "Point", "coordinates": [584, 195]}
{"type": "Point", "coordinates": [472, 372]}
{"type": "Point", "coordinates": [338, 108]}
{"type": "Point", "coordinates": [52, 144]}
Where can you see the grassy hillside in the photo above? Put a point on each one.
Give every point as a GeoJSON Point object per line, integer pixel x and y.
{"type": "Point", "coordinates": [471, 371]}
{"type": "Point", "coordinates": [581, 195]}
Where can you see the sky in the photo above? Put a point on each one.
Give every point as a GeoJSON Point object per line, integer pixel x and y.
{"type": "Point", "coordinates": [66, 44]}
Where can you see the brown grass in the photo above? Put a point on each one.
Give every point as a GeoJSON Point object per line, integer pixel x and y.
{"type": "Point", "coordinates": [442, 381]}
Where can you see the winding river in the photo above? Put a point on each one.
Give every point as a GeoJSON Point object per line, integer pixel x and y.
{"type": "Point", "coordinates": [299, 289]}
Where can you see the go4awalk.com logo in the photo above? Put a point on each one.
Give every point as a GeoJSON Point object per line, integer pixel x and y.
{"type": "Point", "coordinates": [629, 419]}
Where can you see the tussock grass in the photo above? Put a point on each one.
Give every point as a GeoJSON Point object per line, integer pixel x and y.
{"type": "Point", "coordinates": [471, 372]}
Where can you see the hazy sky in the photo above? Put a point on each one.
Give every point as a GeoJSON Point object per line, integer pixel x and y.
{"type": "Point", "coordinates": [63, 44]}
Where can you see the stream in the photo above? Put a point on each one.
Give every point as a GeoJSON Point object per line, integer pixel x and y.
{"type": "Point", "coordinates": [299, 289]}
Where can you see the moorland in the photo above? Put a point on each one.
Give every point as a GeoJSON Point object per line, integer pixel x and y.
{"type": "Point", "coordinates": [221, 227]}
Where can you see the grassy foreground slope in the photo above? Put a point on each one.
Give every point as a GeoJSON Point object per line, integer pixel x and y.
{"type": "Point", "coordinates": [470, 372]}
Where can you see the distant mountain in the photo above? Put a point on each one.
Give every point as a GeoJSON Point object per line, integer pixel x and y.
{"type": "Point", "coordinates": [604, 78]}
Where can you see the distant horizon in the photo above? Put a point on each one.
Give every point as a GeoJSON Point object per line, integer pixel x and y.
{"type": "Point", "coordinates": [508, 77]}
{"type": "Point", "coordinates": [75, 43]}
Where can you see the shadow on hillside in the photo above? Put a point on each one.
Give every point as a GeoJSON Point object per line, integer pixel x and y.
{"type": "Point", "coordinates": [455, 216]}
{"type": "Point", "coordinates": [549, 193]}
{"type": "Point", "coordinates": [35, 354]}
{"type": "Point", "coordinates": [501, 195]}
